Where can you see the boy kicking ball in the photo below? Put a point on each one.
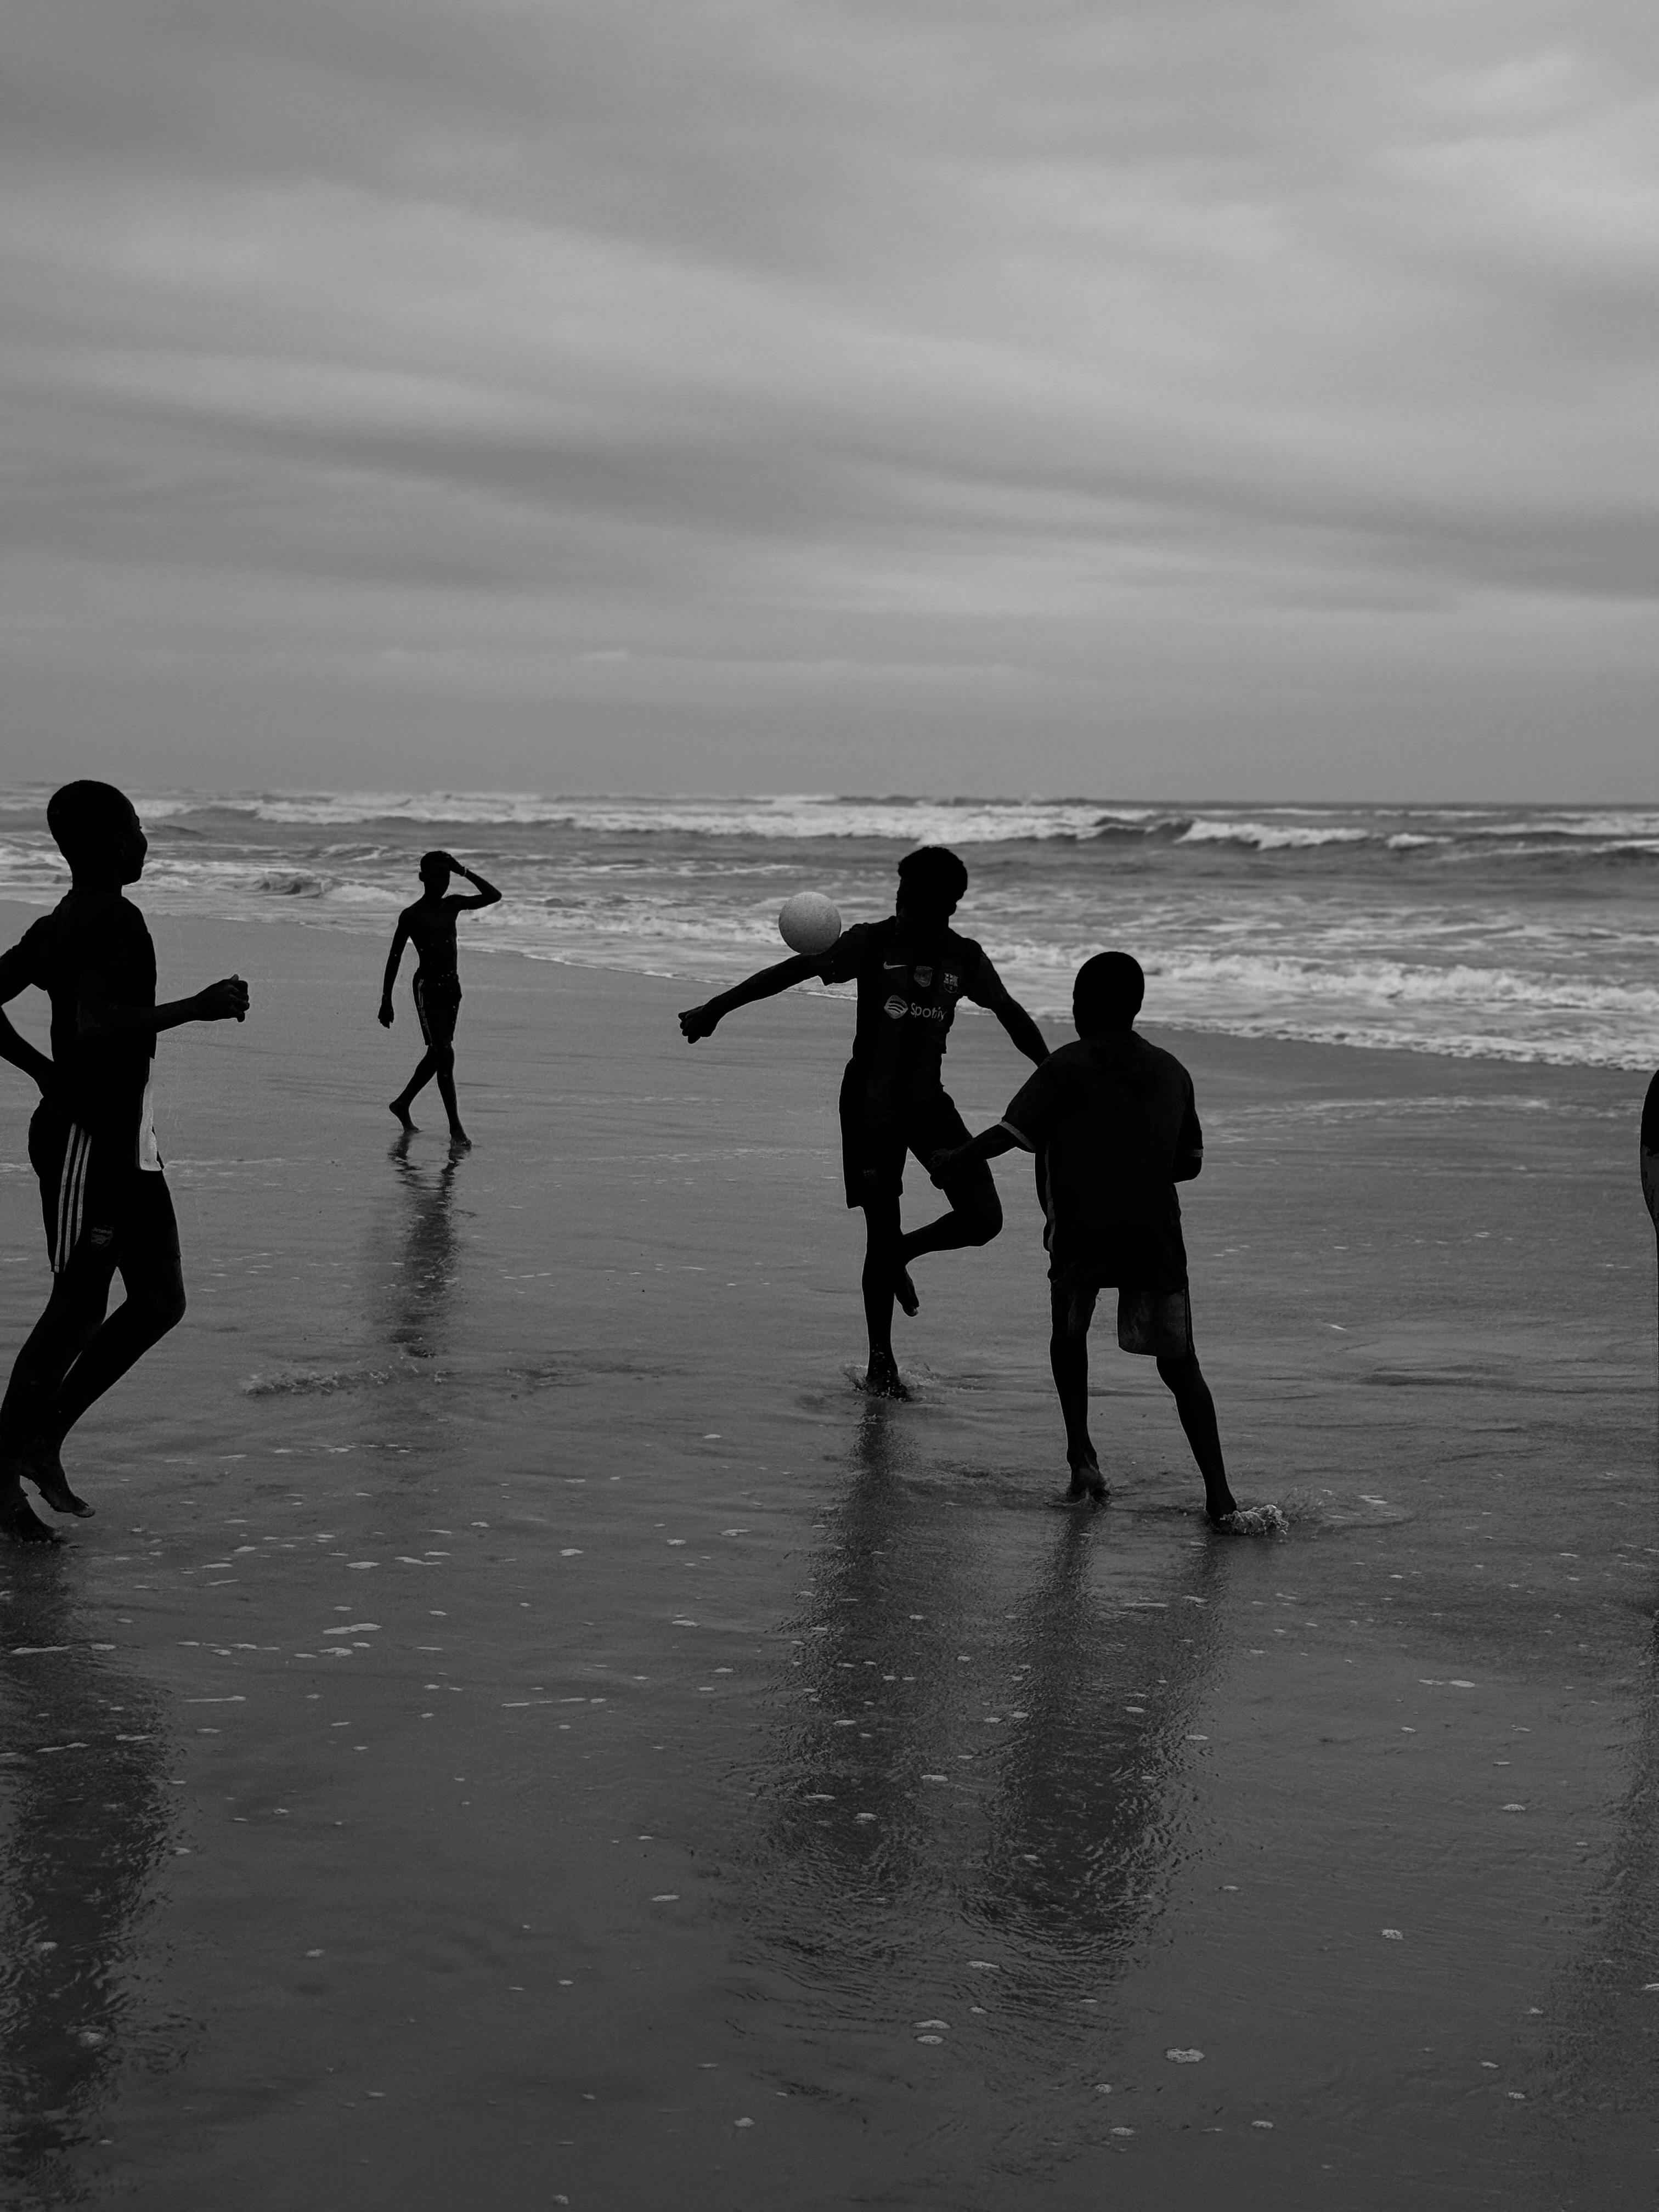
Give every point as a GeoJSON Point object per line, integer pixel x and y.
{"type": "Point", "coordinates": [1113, 1126]}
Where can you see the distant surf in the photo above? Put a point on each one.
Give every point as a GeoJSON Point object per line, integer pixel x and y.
{"type": "Point", "coordinates": [1524, 935]}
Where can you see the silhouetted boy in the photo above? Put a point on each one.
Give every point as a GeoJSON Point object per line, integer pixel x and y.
{"type": "Point", "coordinates": [910, 970]}
{"type": "Point", "coordinates": [1112, 1121]}
{"type": "Point", "coordinates": [92, 1142]}
{"type": "Point", "coordinates": [430, 924]}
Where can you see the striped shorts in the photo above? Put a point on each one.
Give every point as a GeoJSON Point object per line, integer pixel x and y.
{"type": "Point", "coordinates": [437, 1004]}
{"type": "Point", "coordinates": [121, 1212]}
{"type": "Point", "coordinates": [65, 1208]}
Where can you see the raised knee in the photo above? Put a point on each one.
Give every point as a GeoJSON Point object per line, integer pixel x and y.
{"type": "Point", "coordinates": [168, 1310]}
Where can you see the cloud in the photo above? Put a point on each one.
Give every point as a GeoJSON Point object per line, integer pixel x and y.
{"type": "Point", "coordinates": [818, 336]}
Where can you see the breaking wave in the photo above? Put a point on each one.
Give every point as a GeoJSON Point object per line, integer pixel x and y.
{"type": "Point", "coordinates": [1520, 933]}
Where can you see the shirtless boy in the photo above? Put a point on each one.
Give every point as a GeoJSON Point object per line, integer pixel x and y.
{"type": "Point", "coordinates": [92, 1142]}
{"type": "Point", "coordinates": [430, 925]}
{"type": "Point", "coordinates": [910, 970]}
{"type": "Point", "coordinates": [1114, 1125]}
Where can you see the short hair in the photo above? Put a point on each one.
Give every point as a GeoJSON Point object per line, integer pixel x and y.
{"type": "Point", "coordinates": [85, 818]}
{"type": "Point", "coordinates": [435, 862]}
{"type": "Point", "coordinates": [1109, 991]}
{"type": "Point", "coordinates": [933, 876]}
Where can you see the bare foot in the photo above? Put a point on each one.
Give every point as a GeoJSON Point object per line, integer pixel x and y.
{"type": "Point", "coordinates": [905, 1290]}
{"type": "Point", "coordinates": [402, 1112]}
{"type": "Point", "coordinates": [1087, 1481]}
{"type": "Point", "coordinates": [1253, 1521]}
{"type": "Point", "coordinates": [41, 1464]}
{"type": "Point", "coordinates": [458, 1139]}
{"type": "Point", "coordinates": [21, 1524]}
{"type": "Point", "coordinates": [882, 1378]}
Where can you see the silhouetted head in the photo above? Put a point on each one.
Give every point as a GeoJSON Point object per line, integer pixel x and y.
{"type": "Point", "coordinates": [1107, 994]}
{"type": "Point", "coordinates": [98, 832]}
{"type": "Point", "coordinates": [931, 883]}
{"type": "Point", "coordinates": [435, 871]}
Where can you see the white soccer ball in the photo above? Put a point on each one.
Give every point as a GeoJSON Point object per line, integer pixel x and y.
{"type": "Point", "coordinates": [809, 923]}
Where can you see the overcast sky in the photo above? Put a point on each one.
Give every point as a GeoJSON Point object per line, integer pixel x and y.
{"type": "Point", "coordinates": [1165, 398]}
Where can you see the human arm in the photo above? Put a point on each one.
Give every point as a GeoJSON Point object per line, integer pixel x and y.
{"type": "Point", "coordinates": [1189, 1145]}
{"type": "Point", "coordinates": [989, 1145]}
{"type": "Point", "coordinates": [22, 1054]}
{"type": "Point", "coordinates": [1026, 1123]}
{"type": "Point", "coordinates": [988, 990]}
{"type": "Point", "coordinates": [15, 978]}
{"type": "Point", "coordinates": [488, 894]}
{"type": "Point", "coordinates": [701, 1021]}
{"type": "Point", "coordinates": [399, 938]}
{"type": "Point", "coordinates": [16, 974]}
{"type": "Point", "coordinates": [98, 1016]}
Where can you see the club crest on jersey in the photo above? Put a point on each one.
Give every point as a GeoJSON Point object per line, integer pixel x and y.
{"type": "Point", "coordinates": [897, 1007]}
{"type": "Point", "coordinates": [952, 981]}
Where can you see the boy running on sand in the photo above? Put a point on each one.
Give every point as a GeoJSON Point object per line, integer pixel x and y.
{"type": "Point", "coordinates": [92, 1142]}
{"type": "Point", "coordinates": [430, 922]}
{"type": "Point", "coordinates": [1112, 1121]}
{"type": "Point", "coordinates": [910, 971]}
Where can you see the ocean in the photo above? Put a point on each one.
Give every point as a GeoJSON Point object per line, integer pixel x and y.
{"type": "Point", "coordinates": [1522, 934]}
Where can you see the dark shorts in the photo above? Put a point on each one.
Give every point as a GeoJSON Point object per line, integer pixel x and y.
{"type": "Point", "coordinates": [874, 1145]}
{"type": "Point", "coordinates": [99, 1209]}
{"type": "Point", "coordinates": [1157, 1324]}
{"type": "Point", "coordinates": [437, 1005]}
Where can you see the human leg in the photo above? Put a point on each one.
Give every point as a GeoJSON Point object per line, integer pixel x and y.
{"type": "Point", "coordinates": [881, 1223]}
{"type": "Point", "coordinates": [154, 1303]}
{"type": "Point", "coordinates": [976, 1211]}
{"type": "Point", "coordinates": [428, 1066]}
{"type": "Point", "coordinates": [73, 1313]}
{"type": "Point", "coordinates": [975, 1218]}
{"type": "Point", "coordinates": [441, 1007]}
{"type": "Point", "coordinates": [446, 1072]}
{"type": "Point", "coordinates": [1071, 1311]}
{"type": "Point", "coordinates": [1196, 1407]}
{"type": "Point", "coordinates": [94, 1349]}
{"type": "Point", "coordinates": [61, 1155]}
{"type": "Point", "coordinates": [411, 1090]}
{"type": "Point", "coordinates": [872, 1173]}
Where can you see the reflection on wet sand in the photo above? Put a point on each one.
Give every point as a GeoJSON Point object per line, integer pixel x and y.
{"type": "Point", "coordinates": [1604, 2028]}
{"type": "Point", "coordinates": [1088, 1828]}
{"type": "Point", "coordinates": [423, 1275]}
{"type": "Point", "coordinates": [970, 1766]}
{"type": "Point", "coordinates": [86, 1821]}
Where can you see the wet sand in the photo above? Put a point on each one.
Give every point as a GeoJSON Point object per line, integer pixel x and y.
{"type": "Point", "coordinates": [906, 1824]}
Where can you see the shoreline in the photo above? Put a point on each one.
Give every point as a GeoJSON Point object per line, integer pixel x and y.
{"type": "Point", "coordinates": [510, 1734]}
{"type": "Point", "coordinates": [16, 916]}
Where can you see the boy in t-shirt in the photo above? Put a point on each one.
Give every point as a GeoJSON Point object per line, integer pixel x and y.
{"type": "Point", "coordinates": [912, 972]}
{"type": "Point", "coordinates": [92, 1142]}
{"type": "Point", "coordinates": [1112, 1121]}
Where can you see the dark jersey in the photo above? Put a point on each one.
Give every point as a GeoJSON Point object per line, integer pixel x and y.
{"type": "Point", "coordinates": [907, 1003]}
{"type": "Point", "coordinates": [1114, 1123]}
{"type": "Point", "coordinates": [94, 951]}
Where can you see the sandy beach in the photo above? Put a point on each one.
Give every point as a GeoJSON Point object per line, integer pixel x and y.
{"type": "Point", "coordinates": [913, 1837]}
